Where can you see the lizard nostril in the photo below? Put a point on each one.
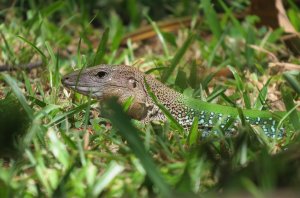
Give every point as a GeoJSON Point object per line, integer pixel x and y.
{"type": "Point", "coordinates": [65, 79]}
{"type": "Point", "coordinates": [101, 74]}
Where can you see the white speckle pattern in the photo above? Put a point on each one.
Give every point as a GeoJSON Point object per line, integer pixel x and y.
{"type": "Point", "coordinates": [147, 110]}
{"type": "Point", "coordinates": [173, 101]}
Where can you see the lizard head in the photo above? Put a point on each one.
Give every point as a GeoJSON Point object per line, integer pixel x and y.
{"type": "Point", "coordinates": [104, 82]}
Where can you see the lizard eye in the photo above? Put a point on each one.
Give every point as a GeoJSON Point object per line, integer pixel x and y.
{"type": "Point", "coordinates": [132, 82]}
{"type": "Point", "coordinates": [101, 74]}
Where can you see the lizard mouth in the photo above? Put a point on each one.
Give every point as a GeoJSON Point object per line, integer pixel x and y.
{"type": "Point", "coordinates": [87, 90]}
{"type": "Point", "coordinates": [95, 91]}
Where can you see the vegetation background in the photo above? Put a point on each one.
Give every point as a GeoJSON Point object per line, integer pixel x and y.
{"type": "Point", "coordinates": [53, 143]}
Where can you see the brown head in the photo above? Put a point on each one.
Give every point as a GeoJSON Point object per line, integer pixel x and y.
{"type": "Point", "coordinates": [105, 81]}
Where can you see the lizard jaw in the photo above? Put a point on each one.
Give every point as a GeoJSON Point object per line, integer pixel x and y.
{"type": "Point", "coordinates": [85, 90]}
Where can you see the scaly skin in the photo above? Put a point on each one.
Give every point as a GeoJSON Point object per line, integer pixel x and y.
{"type": "Point", "coordinates": [106, 81]}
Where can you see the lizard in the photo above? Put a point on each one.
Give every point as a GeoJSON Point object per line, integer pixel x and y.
{"type": "Point", "coordinates": [104, 82]}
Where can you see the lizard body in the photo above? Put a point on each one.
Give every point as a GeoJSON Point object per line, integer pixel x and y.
{"type": "Point", "coordinates": [105, 81]}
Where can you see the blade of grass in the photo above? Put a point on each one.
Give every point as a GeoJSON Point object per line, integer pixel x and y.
{"type": "Point", "coordinates": [250, 40]}
{"type": "Point", "coordinates": [293, 5]}
{"type": "Point", "coordinates": [34, 47]}
{"type": "Point", "coordinates": [78, 54]}
{"type": "Point", "coordinates": [36, 101]}
{"type": "Point", "coordinates": [58, 149]}
{"type": "Point", "coordinates": [125, 128]}
{"type": "Point", "coordinates": [294, 18]}
{"type": "Point", "coordinates": [293, 82]}
{"type": "Point", "coordinates": [178, 56]}
{"type": "Point", "coordinates": [87, 112]}
{"type": "Point", "coordinates": [53, 60]}
{"type": "Point", "coordinates": [118, 33]}
{"type": "Point", "coordinates": [128, 102]}
{"type": "Point", "coordinates": [216, 92]}
{"type": "Point", "coordinates": [229, 13]}
{"type": "Point", "coordinates": [53, 7]}
{"type": "Point", "coordinates": [251, 187]}
{"type": "Point", "coordinates": [133, 11]}
{"type": "Point", "coordinates": [61, 117]}
{"type": "Point", "coordinates": [283, 119]}
{"type": "Point", "coordinates": [27, 84]}
{"type": "Point", "coordinates": [85, 120]}
{"type": "Point", "coordinates": [45, 111]}
{"type": "Point", "coordinates": [212, 18]}
{"type": "Point", "coordinates": [289, 104]}
{"type": "Point", "coordinates": [60, 190]}
{"type": "Point", "coordinates": [194, 134]}
{"type": "Point", "coordinates": [8, 48]}
{"type": "Point", "coordinates": [101, 48]}
{"type": "Point", "coordinates": [262, 96]}
{"type": "Point", "coordinates": [12, 83]}
{"type": "Point", "coordinates": [68, 141]}
{"type": "Point", "coordinates": [214, 51]}
{"type": "Point", "coordinates": [160, 35]}
{"type": "Point", "coordinates": [56, 76]}
{"type": "Point", "coordinates": [241, 88]}
{"type": "Point", "coordinates": [104, 180]}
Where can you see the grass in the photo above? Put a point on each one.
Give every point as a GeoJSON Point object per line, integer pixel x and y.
{"type": "Point", "coordinates": [62, 147]}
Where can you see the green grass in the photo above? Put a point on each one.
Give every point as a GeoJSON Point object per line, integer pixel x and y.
{"type": "Point", "coordinates": [60, 145]}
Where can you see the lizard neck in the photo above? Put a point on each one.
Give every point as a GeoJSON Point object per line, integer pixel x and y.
{"type": "Point", "coordinates": [171, 99]}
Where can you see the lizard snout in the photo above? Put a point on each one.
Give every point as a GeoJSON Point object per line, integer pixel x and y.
{"type": "Point", "coordinates": [65, 80]}
{"type": "Point", "coordinates": [68, 80]}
